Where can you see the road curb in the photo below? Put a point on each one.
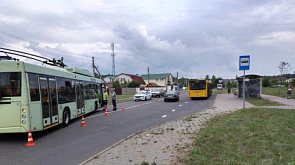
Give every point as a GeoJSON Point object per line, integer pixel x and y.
{"type": "Point", "coordinates": [126, 138]}
{"type": "Point", "coordinates": [214, 103]}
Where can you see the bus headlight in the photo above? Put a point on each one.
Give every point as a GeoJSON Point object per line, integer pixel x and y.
{"type": "Point", "coordinates": [24, 122]}
{"type": "Point", "coordinates": [24, 110]}
{"type": "Point", "coordinates": [24, 116]}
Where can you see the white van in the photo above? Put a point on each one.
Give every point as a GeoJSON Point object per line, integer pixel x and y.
{"type": "Point", "coordinates": [219, 86]}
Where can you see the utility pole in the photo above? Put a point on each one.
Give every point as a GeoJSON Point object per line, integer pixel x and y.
{"type": "Point", "coordinates": [93, 65]}
{"type": "Point", "coordinates": [148, 77]}
{"type": "Point", "coordinates": [177, 80]}
{"type": "Point", "coordinates": [95, 68]}
{"type": "Point", "coordinates": [113, 55]}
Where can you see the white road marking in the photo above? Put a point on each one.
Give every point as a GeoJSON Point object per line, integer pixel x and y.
{"type": "Point", "coordinates": [173, 110]}
{"type": "Point", "coordinates": [164, 115]}
{"type": "Point", "coordinates": [102, 114]}
{"type": "Point", "coordinates": [180, 105]}
{"type": "Point", "coordinates": [185, 102]}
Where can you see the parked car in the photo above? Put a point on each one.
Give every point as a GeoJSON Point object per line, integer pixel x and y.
{"type": "Point", "coordinates": [158, 92]}
{"type": "Point", "coordinates": [142, 95]}
{"type": "Point", "coordinates": [171, 95]}
{"type": "Point", "coordinates": [219, 86]}
{"type": "Point", "coordinates": [275, 86]}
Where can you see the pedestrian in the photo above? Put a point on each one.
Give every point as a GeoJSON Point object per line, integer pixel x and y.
{"type": "Point", "coordinates": [105, 100]}
{"type": "Point", "coordinates": [228, 89]}
{"type": "Point", "coordinates": [97, 94]}
{"type": "Point", "coordinates": [114, 100]}
{"type": "Point", "coordinates": [289, 90]}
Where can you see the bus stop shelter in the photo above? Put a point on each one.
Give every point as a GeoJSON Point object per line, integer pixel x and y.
{"type": "Point", "coordinates": [253, 85]}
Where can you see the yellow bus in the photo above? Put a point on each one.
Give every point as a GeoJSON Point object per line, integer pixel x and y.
{"type": "Point", "coordinates": [199, 88]}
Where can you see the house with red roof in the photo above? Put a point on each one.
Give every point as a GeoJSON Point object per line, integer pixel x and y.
{"type": "Point", "coordinates": [123, 77]}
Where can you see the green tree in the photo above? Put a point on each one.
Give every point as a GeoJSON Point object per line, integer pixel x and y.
{"type": "Point", "coordinates": [213, 79]}
{"type": "Point", "coordinates": [133, 84]}
{"type": "Point", "coordinates": [228, 83]}
{"type": "Point", "coordinates": [274, 82]}
{"type": "Point", "coordinates": [124, 84]}
{"type": "Point", "coordinates": [233, 84]}
{"type": "Point", "coordinates": [265, 81]}
{"type": "Point", "coordinates": [207, 77]}
{"type": "Point", "coordinates": [293, 82]}
{"type": "Point", "coordinates": [116, 84]}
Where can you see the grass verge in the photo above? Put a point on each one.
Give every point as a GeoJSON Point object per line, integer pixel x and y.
{"type": "Point", "coordinates": [263, 102]}
{"type": "Point", "coordinates": [224, 91]}
{"type": "Point", "coordinates": [249, 136]}
{"type": "Point", "coordinates": [121, 98]}
{"type": "Point", "coordinates": [275, 92]}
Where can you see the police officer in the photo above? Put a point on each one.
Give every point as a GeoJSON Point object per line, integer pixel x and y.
{"type": "Point", "coordinates": [114, 100]}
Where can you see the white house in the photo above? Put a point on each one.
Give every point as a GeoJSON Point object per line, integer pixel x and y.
{"type": "Point", "coordinates": [123, 77]}
{"type": "Point", "coordinates": [162, 80]}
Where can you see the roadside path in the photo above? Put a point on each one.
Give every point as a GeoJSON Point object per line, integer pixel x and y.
{"type": "Point", "coordinates": [161, 144]}
{"type": "Point", "coordinates": [290, 103]}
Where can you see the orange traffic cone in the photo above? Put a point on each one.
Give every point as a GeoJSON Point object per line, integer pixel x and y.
{"type": "Point", "coordinates": [155, 99]}
{"type": "Point", "coordinates": [30, 140]}
{"type": "Point", "coordinates": [106, 113]}
{"type": "Point", "coordinates": [141, 102]}
{"type": "Point", "coordinates": [123, 107]}
{"type": "Point", "coordinates": [83, 122]}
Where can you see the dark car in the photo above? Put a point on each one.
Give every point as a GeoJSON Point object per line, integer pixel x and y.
{"type": "Point", "coordinates": [171, 95]}
{"type": "Point", "coordinates": [157, 92]}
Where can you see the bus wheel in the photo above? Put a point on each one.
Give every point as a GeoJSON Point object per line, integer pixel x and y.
{"type": "Point", "coordinates": [66, 118]}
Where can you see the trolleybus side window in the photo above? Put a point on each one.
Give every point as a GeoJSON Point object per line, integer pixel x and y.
{"type": "Point", "coordinates": [10, 84]}
{"type": "Point", "coordinates": [89, 92]}
{"type": "Point", "coordinates": [34, 87]}
{"type": "Point", "coordinates": [66, 90]}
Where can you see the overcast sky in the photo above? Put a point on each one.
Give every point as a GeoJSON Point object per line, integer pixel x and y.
{"type": "Point", "coordinates": [191, 37]}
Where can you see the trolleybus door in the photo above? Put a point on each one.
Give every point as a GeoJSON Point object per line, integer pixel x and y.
{"type": "Point", "coordinates": [80, 97]}
{"type": "Point", "coordinates": [49, 101]}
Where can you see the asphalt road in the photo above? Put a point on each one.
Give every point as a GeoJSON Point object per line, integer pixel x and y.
{"type": "Point", "coordinates": [74, 144]}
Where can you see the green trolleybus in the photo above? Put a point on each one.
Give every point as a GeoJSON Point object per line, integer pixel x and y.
{"type": "Point", "coordinates": [34, 97]}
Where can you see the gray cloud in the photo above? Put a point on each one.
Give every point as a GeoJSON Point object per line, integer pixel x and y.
{"type": "Point", "coordinates": [192, 37]}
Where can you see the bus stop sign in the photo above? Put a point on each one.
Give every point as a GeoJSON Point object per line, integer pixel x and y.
{"type": "Point", "coordinates": [245, 62]}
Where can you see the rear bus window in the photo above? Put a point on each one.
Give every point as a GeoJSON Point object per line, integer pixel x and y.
{"type": "Point", "coordinates": [10, 84]}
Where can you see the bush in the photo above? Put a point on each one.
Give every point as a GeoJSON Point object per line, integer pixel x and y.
{"type": "Point", "coordinates": [133, 84]}
{"type": "Point", "coordinates": [265, 82]}
{"type": "Point", "coordinates": [116, 84]}
{"type": "Point", "coordinates": [274, 82]}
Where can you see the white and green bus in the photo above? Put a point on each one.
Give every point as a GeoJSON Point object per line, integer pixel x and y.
{"type": "Point", "coordinates": [34, 97]}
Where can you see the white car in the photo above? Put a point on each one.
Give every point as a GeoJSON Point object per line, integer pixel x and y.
{"type": "Point", "coordinates": [219, 86]}
{"type": "Point", "coordinates": [142, 95]}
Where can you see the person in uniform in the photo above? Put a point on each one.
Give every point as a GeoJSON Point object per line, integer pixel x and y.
{"type": "Point", "coordinates": [114, 95]}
